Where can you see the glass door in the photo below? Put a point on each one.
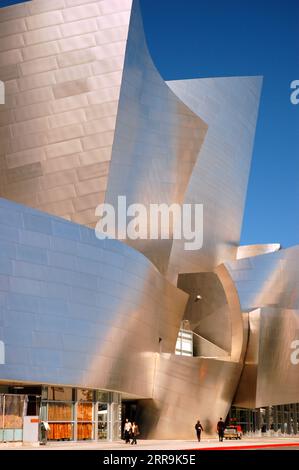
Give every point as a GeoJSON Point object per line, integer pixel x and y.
{"type": "Point", "coordinates": [102, 421]}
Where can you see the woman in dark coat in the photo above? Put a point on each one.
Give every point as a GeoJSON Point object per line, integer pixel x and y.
{"type": "Point", "coordinates": [198, 429]}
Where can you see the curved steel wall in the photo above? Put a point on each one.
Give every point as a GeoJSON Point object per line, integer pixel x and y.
{"type": "Point", "coordinates": [188, 141]}
{"type": "Point", "coordinates": [267, 280]}
{"type": "Point", "coordinates": [268, 288]}
{"type": "Point", "coordinates": [157, 140]}
{"type": "Point", "coordinates": [210, 310]}
{"type": "Point", "coordinates": [187, 389]}
{"type": "Point", "coordinates": [229, 106]}
{"type": "Point", "coordinates": [81, 90]}
{"type": "Point", "coordinates": [62, 64]}
{"type": "Point", "coordinates": [84, 312]}
{"type": "Point", "coordinates": [79, 311]}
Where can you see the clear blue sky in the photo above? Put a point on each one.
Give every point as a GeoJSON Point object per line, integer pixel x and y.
{"type": "Point", "coordinates": [204, 38]}
{"type": "Point", "coordinates": [5, 3]}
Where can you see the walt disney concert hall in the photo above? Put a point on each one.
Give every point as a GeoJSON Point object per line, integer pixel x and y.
{"type": "Point", "coordinates": [93, 331]}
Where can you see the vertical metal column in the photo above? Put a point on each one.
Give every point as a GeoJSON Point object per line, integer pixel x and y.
{"type": "Point", "coordinates": [275, 418]}
{"type": "Point", "coordinates": [267, 418]}
{"type": "Point", "coordinates": [96, 420]}
{"type": "Point", "coordinates": [75, 411]}
{"type": "Point", "coordinates": [3, 411]}
{"type": "Point", "coordinates": [283, 419]}
{"type": "Point", "coordinates": [289, 415]}
{"type": "Point", "coordinates": [110, 421]}
{"type": "Point", "coordinates": [258, 420]}
{"type": "Point", "coordinates": [250, 420]}
{"type": "Point", "coordinates": [295, 417]}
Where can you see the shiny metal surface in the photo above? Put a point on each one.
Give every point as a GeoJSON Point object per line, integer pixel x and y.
{"type": "Point", "coordinates": [268, 287]}
{"type": "Point", "coordinates": [212, 309]}
{"type": "Point", "coordinates": [267, 280]}
{"type": "Point", "coordinates": [88, 118]}
{"type": "Point", "coordinates": [157, 141]}
{"type": "Point", "coordinates": [62, 64]}
{"type": "Point", "coordinates": [83, 312]}
{"type": "Point", "coordinates": [79, 311]}
{"type": "Point", "coordinates": [189, 140]}
{"type": "Point", "coordinates": [73, 105]}
{"type": "Point", "coordinates": [246, 251]}
{"type": "Point", "coordinates": [229, 106]}
{"type": "Point", "coordinates": [187, 389]}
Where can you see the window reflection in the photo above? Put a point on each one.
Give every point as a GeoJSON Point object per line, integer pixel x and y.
{"type": "Point", "coordinates": [102, 420]}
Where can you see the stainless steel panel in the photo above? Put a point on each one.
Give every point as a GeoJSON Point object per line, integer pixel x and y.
{"type": "Point", "coordinates": [268, 287]}
{"type": "Point", "coordinates": [89, 323]}
{"type": "Point", "coordinates": [229, 106]}
{"type": "Point", "coordinates": [63, 81]}
{"type": "Point", "coordinates": [187, 389]}
{"type": "Point", "coordinates": [89, 119]}
{"type": "Point", "coordinates": [156, 144]}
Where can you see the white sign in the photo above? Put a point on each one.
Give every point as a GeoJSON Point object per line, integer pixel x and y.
{"type": "Point", "coordinates": [295, 354]}
{"type": "Point", "coordinates": [295, 93]}
{"type": "Point", "coordinates": [159, 221]}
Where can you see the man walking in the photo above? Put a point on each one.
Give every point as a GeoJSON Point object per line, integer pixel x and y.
{"type": "Point", "coordinates": [220, 429]}
{"type": "Point", "coordinates": [45, 428]}
{"type": "Point", "coordinates": [127, 431]}
{"type": "Point", "coordinates": [135, 432]}
{"type": "Point", "coordinates": [198, 429]}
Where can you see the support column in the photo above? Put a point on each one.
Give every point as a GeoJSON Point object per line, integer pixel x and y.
{"type": "Point", "coordinates": [96, 420]}
{"type": "Point", "coordinates": [267, 418]}
{"type": "Point", "coordinates": [289, 414]}
{"type": "Point", "coordinates": [75, 418]}
{"type": "Point", "coordinates": [258, 419]}
{"type": "Point", "coordinates": [295, 417]}
{"type": "Point", "coordinates": [275, 418]}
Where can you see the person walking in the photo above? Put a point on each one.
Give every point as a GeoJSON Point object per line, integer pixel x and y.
{"type": "Point", "coordinates": [45, 428]}
{"type": "Point", "coordinates": [198, 429]}
{"type": "Point", "coordinates": [135, 432]}
{"type": "Point", "coordinates": [127, 431]}
{"type": "Point", "coordinates": [220, 429]}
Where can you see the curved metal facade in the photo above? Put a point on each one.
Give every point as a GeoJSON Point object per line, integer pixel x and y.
{"type": "Point", "coordinates": [157, 141]}
{"type": "Point", "coordinates": [79, 311]}
{"type": "Point", "coordinates": [229, 106]}
{"type": "Point", "coordinates": [62, 64]}
{"type": "Point", "coordinates": [172, 135]}
{"type": "Point", "coordinates": [88, 118]}
{"type": "Point", "coordinates": [268, 287]}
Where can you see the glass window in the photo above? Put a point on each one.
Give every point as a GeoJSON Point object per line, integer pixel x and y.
{"type": "Point", "coordinates": [85, 395]}
{"type": "Point", "coordinates": [44, 393]}
{"type": "Point", "coordinates": [60, 431]}
{"type": "Point", "coordinates": [60, 411]}
{"type": "Point", "coordinates": [115, 397]}
{"type": "Point", "coordinates": [13, 411]}
{"type": "Point", "coordinates": [60, 394]}
{"type": "Point", "coordinates": [103, 396]}
{"type": "Point", "coordinates": [84, 431]}
{"type": "Point", "coordinates": [84, 411]}
{"type": "Point", "coordinates": [102, 421]}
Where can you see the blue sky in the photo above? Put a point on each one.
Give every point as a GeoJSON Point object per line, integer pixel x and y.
{"type": "Point", "coordinates": [5, 3]}
{"type": "Point", "coordinates": [200, 38]}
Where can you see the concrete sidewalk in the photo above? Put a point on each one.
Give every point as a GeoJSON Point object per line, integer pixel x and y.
{"type": "Point", "coordinates": [209, 443]}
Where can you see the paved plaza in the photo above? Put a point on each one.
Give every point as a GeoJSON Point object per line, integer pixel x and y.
{"type": "Point", "coordinates": [282, 443]}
